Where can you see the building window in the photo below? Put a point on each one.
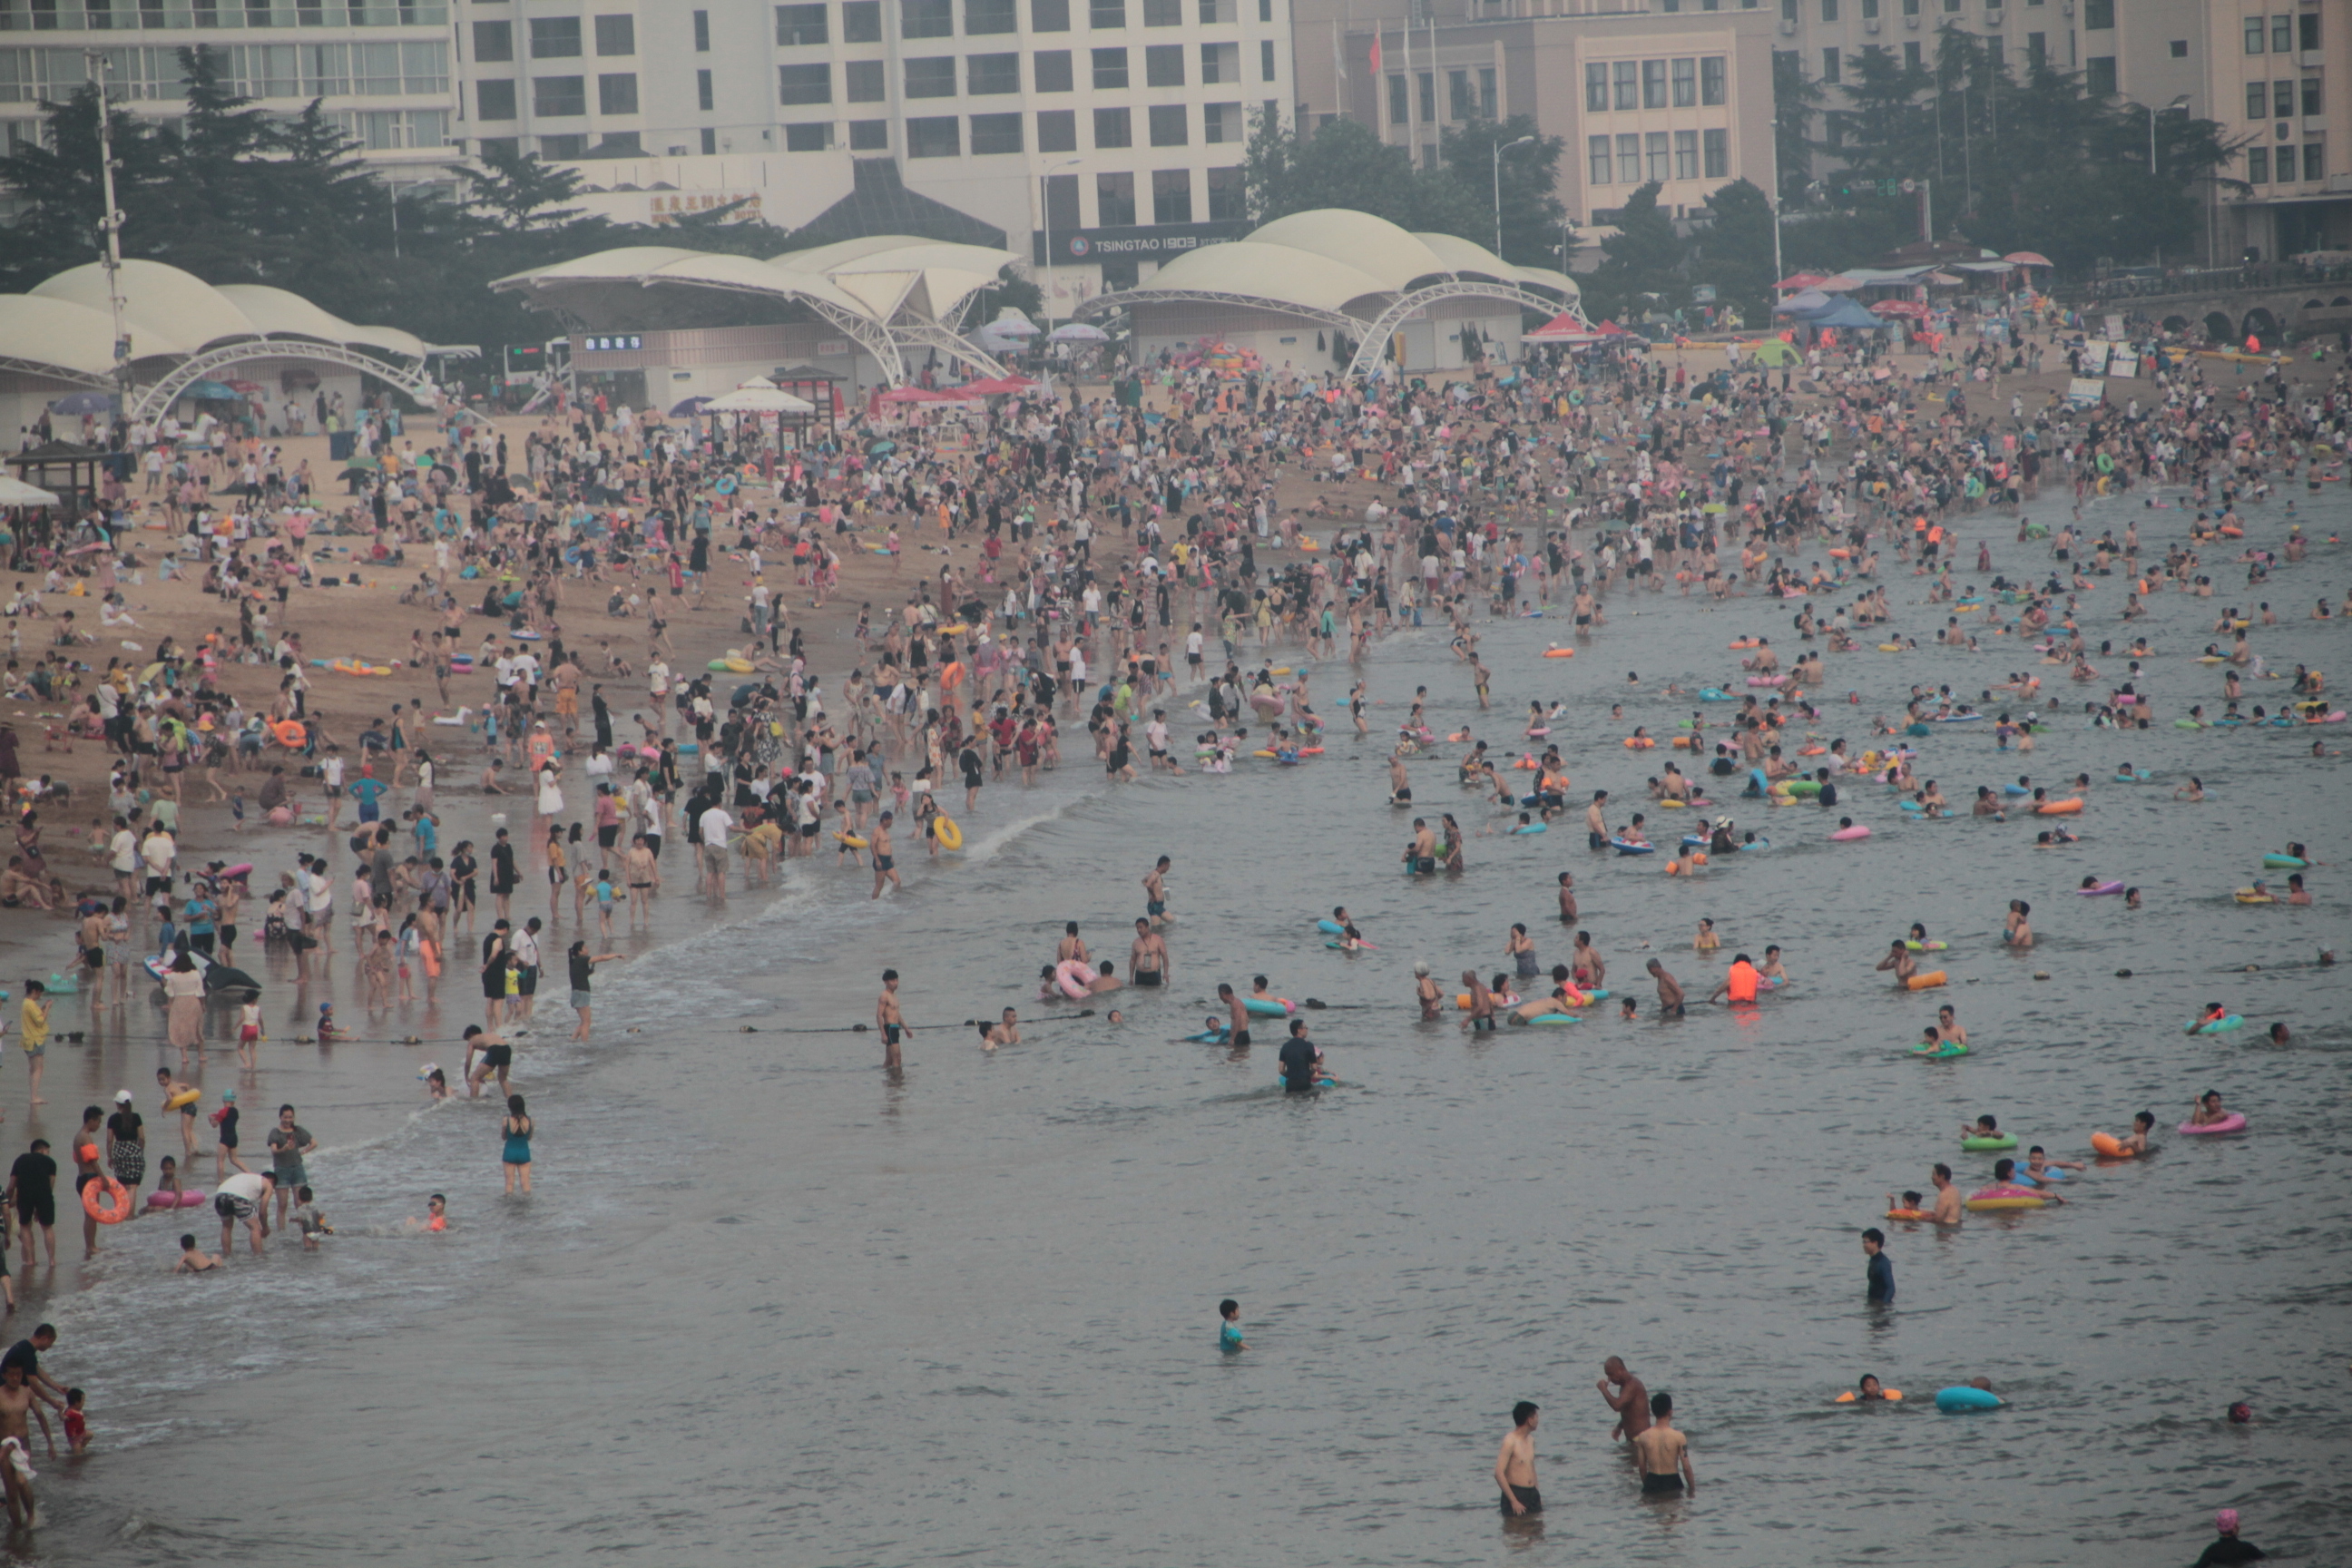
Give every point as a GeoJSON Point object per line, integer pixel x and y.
{"type": "Point", "coordinates": [493, 41]}
{"type": "Point", "coordinates": [1115, 199]}
{"type": "Point", "coordinates": [2314, 159]}
{"type": "Point", "coordinates": [1163, 65]}
{"type": "Point", "coordinates": [559, 148]}
{"type": "Point", "coordinates": [1428, 80]}
{"type": "Point", "coordinates": [1266, 12]}
{"type": "Point", "coordinates": [1265, 60]}
{"type": "Point", "coordinates": [1596, 156]}
{"type": "Point", "coordinates": [800, 24]}
{"type": "Point", "coordinates": [1486, 91]}
{"type": "Point", "coordinates": [1219, 13]}
{"type": "Point", "coordinates": [617, 35]}
{"type": "Point", "coordinates": [2099, 76]}
{"type": "Point", "coordinates": [986, 75]}
{"type": "Point", "coordinates": [552, 97]}
{"type": "Point", "coordinates": [814, 136]}
{"type": "Point", "coordinates": [1058, 131]}
{"type": "Point", "coordinates": [1050, 69]}
{"type": "Point", "coordinates": [1171, 195]}
{"type": "Point", "coordinates": [1399, 105]}
{"type": "Point", "coordinates": [2179, 47]}
{"type": "Point", "coordinates": [702, 32]}
{"type": "Point", "coordinates": [2285, 156]}
{"type": "Point", "coordinates": [1832, 67]}
{"type": "Point", "coordinates": [986, 17]}
{"type": "Point", "coordinates": [1226, 189]}
{"type": "Point", "coordinates": [1170, 124]}
{"type": "Point", "coordinates": [1711, 86]}
{"type": "Point", "coordinates": [1221, 64]}
{"type": "Point", "coordinates": [1221, 123]}
{"type": "Point", "coordinates": [1104, 13]}
{"type": "Point", "coordinates": [2282, 99]}
{"type": "Point", "coordinates": [1113, 128]}
{"type": "Point", "coordinates": [1870, 10]}
{"type": "Point", "coordinates": [1686, 154]}
{"type": "Point", "coordinates": [616, 93]}
{"type": "Point", "coordinates": [1716, 146]}
{"type": "Point", "coordinates": [2258, 166]}
{"type": "Point", "coordinates": [1459, 103]}
{"type": "Point", "coordinates": [1062, 201]}
{"type": "Point", "coordinates": [933, 136]}
{"type": "Point", "coordinates": [1828, 10]}
{"type": "Point", "coordinates": [1110, 70]}
{"type": "Point", "coordinates": [2281, 34]}
{"type": "Point", "coordinates": [2313, 100]}
{"type": "Point", "coordinates": [711, 141]}
{"type": "Point", "coordinates": [812, 83]}
{"type": "Point", "coordinates": [862, 82]}
{"type": "Point", "coordinates": [1163, 12]}
{"type": "Point", "coordinates": [993, 133]}
{"type": "Point", "coordinates": [621, 144]}
{"type": "Point", "coordinates": [926, 19]}
{"type": "Point", "coordinates": [2308, 24]}
{"type": "Point", "coordinates": [554, 38]}
{"type": "Point", "coordinates": [2253, 34]}
{"type": "Point", "coordinates": [2098, 15]}
{"type": "Point", "coordinates": [1654, 84]}
{"type": "Point", "coordinates": [1685, 83]}
{"type": "Point", "coordinates": [1662, 158]}
{"type": "Point", "coordinates": [869, 135]}
{"type": "Point", "coordinates": [1626, 76]}
{"type": "Point", "coordinates": [703, 97]}
{"type": "Point", "coordinates": [2037, 52]}
{"type": "Point", "coordinates": [861, 22]}
{"type": "Point", "coordinates": [492, 101]}
{"type": "Point", "coordinates": [933, 76]}
{"type": "Point", "coordinates": [1596, 88]}
{"type": "Point", "coordinates": [1629, 159]}
{"type": "Point", "coordinates": [1049, 16]}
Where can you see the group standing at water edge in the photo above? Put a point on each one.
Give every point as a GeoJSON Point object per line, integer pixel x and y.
{"type": "Point", "coordinates": [1103, 537]}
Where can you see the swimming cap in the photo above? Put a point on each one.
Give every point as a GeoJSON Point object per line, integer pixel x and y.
{"type": "Point", "coordinates": [2227, 1521]}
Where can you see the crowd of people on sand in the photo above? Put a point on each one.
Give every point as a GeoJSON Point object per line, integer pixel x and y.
{"type": "Point", "coordinates": [1149, 574]}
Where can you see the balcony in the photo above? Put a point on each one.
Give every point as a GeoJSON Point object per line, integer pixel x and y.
{"type": "Point", "coordinates": [18, 16]}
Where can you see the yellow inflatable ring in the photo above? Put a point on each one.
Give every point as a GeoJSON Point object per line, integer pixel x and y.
{"type": "Point", "coordinates": [185, 1096]}
{"type": "Point", "coordinates": [851, 840]}
{"type": "Point", "coordinates": [949, 836]}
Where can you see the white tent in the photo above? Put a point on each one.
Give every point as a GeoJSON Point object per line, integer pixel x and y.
{"type": "Point", "coordinates": [16, 492]}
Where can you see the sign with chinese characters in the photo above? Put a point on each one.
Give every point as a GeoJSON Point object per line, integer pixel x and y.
{"type": "Point", "coordinates": [610, 342]}
{"type": "Point", "coordinates": [668, 207]}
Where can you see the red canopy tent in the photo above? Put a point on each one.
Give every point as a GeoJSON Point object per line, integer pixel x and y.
{"type": "Point", "coordinates": [1563, 328]}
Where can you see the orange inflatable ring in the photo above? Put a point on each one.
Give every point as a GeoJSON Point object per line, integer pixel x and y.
{"type": "Point", "coordinates": [290, 733]}
{"type": "Point", "coordinates": [1892, 1395]}
{"type": "Point", "coordinates": [1840, 554]}
{"type": "Point", "coordinates": [1813, 750]}
{"type": "Point", "coordinates": [2058, 808]}
{"type": "Point", "coordinates": [1908, 1213]}
{"type": "Point", "coordinates": [1527, 764]}
{"type": "Point", "coordinates": [1927, 981]}
{"type": "Point", "coordinates": [2110, 1145]}
{"type": "Point", "coordinates": [1560, 653]}
{"type": "Point", "coordinates": [106, 1201]}
{"type": "Point", "coordinates": [1640, 744]}
{"type": "Point", "coordinates": [1747, 642]}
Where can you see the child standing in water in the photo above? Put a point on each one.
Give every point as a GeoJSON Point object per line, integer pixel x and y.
{"type": "Point", "coordinates": [1229, 1331]}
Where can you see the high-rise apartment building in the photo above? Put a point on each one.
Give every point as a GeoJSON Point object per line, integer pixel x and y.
{"type": "Point", "coordinates": [383, 68]}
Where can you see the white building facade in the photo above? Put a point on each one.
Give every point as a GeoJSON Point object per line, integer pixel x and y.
{"type": "Point", "coordinates": [1115, 126]}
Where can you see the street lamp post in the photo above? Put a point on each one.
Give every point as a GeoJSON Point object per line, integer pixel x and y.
{"type": "Point", "coordinates": [2179, 102]}
{"type": "Point", "coordinates": [1501, 148]}
{"type": "Point", "coordinates": [97, 63]}
{"type": "Point", "coordinates": [1045, 202]}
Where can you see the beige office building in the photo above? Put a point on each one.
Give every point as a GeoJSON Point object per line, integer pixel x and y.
{"type": "Point", "coordinates": [2276, 74]}
{"type": "Point", "coordinates": [1683, 97]}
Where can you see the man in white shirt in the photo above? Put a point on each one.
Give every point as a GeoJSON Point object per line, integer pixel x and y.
{"type": "Point", "coordinates": [331, 774]}
{"type": "Point", "coordinates": [715, 825]}
{"type": "Point", "coordinates": [244, 1196]}
{"type": "Point", "coordinates": [124, 854]}
{"type": "Point", "coordinates": [159, 853]}
{"type": "Point", "coordinates": [525, 946]}
{"type": "Point", "coordinates": [657, 685]}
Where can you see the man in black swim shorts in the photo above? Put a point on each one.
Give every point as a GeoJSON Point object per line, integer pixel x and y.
{"type": "Point", "coordinates": [1664, 1453]}
{"type": "Point", "coordinates": [1515, 1467]}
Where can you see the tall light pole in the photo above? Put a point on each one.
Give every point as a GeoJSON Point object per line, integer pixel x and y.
{"type": "Point", "coordinates": [111, 224]}
{"type": "Point", "coordinates": [1045, 202]}
{"type": "Point", "coordinates": [2179, 102]}
{"type": "Point", "coordinates": [1501, 148]}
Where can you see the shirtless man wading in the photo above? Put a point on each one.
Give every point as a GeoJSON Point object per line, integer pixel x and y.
{"type": "Point", "coordinates": [1630, 1400]}
{"type": "Point", "coordinates": [1515, 1467]}
{"type": "Point", "coordinates": [887, 1019]}
{"type": "Point", "coordinates": [1147, 960]}
{"type": "Point", "coordinates": [1664, 1453]}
